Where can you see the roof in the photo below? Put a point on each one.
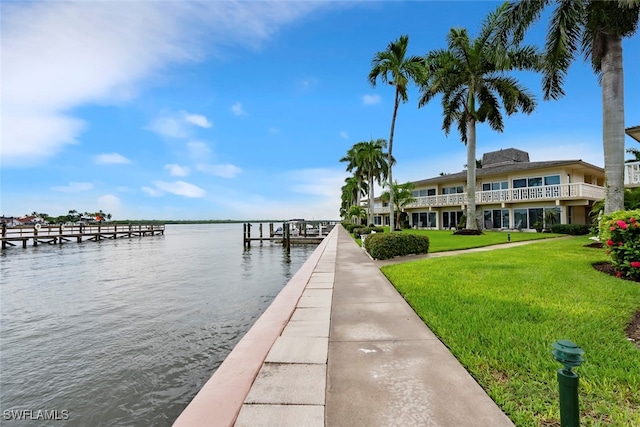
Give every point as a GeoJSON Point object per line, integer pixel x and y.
{"type": "Point", "coordinates": [509, 155]}
{"type": "Point", "coordinates": [633, 132]}
{"type": "Point", "coordinates": [503, 168]}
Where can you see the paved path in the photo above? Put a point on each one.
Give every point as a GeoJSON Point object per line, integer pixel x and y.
{"type": "Point", "coordinates": [347, 351]}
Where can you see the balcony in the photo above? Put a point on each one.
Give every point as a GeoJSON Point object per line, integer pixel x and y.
{"type": "Point", "coordinates": [632, 174]}
{"type": "Point", "coordinates": [577, 191]}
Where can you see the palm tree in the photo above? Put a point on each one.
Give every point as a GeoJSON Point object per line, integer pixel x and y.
{"type": "Point", "coordinates": [370, 161]}
{"type": "Point", "coordinates": [402, 195]}
{"type": "Point", "coordinates": [351, 158]}
{"type": "Point", "coordinates": [395, 68]}
{"type": "Point", "coordinates": [356, 213]}
{"type": "Point", "coordinates": [352, 190]}
{"type": "Point", "coordinates": [471, 77]}
{"type": "Point", "coordinates": [594, 28]}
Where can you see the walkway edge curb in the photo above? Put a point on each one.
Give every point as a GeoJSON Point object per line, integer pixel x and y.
{"type": "Point", "coordinates": [220, 399]}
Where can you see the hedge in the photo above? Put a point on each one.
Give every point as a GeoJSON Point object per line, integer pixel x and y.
{"type": "Point", "coordinates": [573, 229]}
{"type": "Point", "coordinates": [389, 245]}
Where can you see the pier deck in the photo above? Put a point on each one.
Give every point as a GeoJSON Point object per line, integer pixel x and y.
{"type": "Point", "coordinates": [59, 234]}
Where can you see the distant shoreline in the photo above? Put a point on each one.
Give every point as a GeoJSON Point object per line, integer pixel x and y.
{"type": "Point", "coordinates": [193, 221]}
{"type": "Point", "coordinates": [205, 221]}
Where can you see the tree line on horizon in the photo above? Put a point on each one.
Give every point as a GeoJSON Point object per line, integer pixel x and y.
{"type": "Point", "coordinates": [472, 78]}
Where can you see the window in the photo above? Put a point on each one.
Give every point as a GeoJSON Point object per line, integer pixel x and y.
{"type": "Point", "coordinates": [535, 216]}
{"type": "Point", "coordinates": [535, 182]}
{"type": "Point", "coordinates": [519, 183]}
{"type": "Point", "coordinates": [520, 218]}
{"type": "Point", "coordinates": [419, 193]}
{"type": "Point", "coordinates": [496, 218]}
{"type": "Point", "coordinates": [431, 192]}
{"type": "Point", "coordinates": [502, 185]}
{"type": "Point", "coordinates": [552, 180]}
{"type": "Point", "coordinates": [423, 219]}
{"type": "Point", "coordinates": [453, 190]}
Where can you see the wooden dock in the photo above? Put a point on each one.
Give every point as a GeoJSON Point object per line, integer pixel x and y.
{"type": "Point", "coordinates": [59, 234]}
{"type": "Point", "coordinates": [290, 232]}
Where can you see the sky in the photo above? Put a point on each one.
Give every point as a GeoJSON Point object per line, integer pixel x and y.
{"type": "Point", "coordinates": [242, 110]}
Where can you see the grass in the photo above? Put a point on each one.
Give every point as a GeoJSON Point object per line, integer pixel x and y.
{"type": "Point", "coordinates": [500, 311]}
{"type": "Point", "coordinates": [444, 240]}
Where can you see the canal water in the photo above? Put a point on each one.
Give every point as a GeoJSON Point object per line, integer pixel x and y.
{"type": "Point", "coordinates": [125, 333]}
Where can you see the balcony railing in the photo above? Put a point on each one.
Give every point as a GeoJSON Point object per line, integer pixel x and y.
{"type": "Point", "coordinates": [512, 195]}
{"type": "Point", "coordinates": [632, 174]}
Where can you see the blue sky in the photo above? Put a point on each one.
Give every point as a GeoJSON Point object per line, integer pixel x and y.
{"type": "Point", "coordinates": [241, 110]}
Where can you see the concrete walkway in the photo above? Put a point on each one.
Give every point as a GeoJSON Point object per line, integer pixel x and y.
{"type": "Point", "coordinates": [349, 352]}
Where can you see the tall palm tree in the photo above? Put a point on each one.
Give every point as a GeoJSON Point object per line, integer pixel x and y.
{"type": "Point", "coordinates": [402, 195]}
{"type": "Point", "coordinates": [594, 28]}
{"type": "Point", "coordinates": [375, 166]}
{"type": "Point", "coordinates": [370, 161]}
{"type": "Point", "coordinates": [394, 67]}
{"type": "Point", "coordinates": [353, 166]}
{"type": "Point", "coordinates": [352, 190]}
{"type": "Point", "coordinates": [471, 76]}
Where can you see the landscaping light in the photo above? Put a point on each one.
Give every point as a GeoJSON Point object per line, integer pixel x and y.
{"type": "Point", "coordinates": [570, 355]}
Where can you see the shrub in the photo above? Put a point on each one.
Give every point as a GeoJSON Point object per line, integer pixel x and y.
{"type": "Point", "coordinates": [572, 229]}
{"type": "Point", "coordinates": [385, 246]}
{"type": "Point", "coordinates": [620, 233]}
{"type": "Point", "coordinates": [349, 227]}
{"type": "Point", "coordinates": [468, 232]}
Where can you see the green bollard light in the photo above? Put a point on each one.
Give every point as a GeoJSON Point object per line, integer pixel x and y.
{"type": "Point", "coordinates": [570, 355]}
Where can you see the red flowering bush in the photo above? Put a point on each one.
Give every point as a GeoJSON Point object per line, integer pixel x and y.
{"type": "Point", "coordinates": [621, 233]}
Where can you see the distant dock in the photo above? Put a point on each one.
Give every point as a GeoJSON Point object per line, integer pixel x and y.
{"type": "Point", "coordinates": [59, 234]}
{"type": "Point", "coordinates": [290, 232]}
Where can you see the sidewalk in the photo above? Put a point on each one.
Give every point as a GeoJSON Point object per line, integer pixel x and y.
{"type": "Point", "coordinates": [349, 351]}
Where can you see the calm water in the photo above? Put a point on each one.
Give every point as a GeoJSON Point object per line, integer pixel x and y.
{"type": "Point", "coordinates": [124, 333]}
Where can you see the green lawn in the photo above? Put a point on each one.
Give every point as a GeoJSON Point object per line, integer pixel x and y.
{"type": "Point", "coordinates": [444, 240]}
{"type": "Point", "coordinates": [500, 311]}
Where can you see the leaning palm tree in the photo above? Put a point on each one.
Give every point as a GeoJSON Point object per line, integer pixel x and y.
{"type": "Point", "coordinates": [471, 76]}
{"type": "Point", "coordinates": [395, 68]}
{"type": "Point", "coordinates": [594, 28]}
{"type": "Point", "coordinates": [402, 195]}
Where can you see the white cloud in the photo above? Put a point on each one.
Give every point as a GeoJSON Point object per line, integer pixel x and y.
{"type": "Point", "coordinates": [74, 187]}
{"type": "Point", "coordinates": [169, 127]}
{"type": "Point", "coordinates": [317, 182]}
{"type": "Point", "coordinates": [151, 191]}
{"type": "Point", "coordinates": [109, 203]}
{"type": "Point", "coordinates": [113, 158]}
{"type": "Point", "coordinates": [177, 125]}
{"type": "Point", "coordinates": [177, 170]}
{"type": "Point", "coordinates": [198, 120]}
{"type": "Point", "coordinates": [199, 150]}
{"type": "Point", "coordinates": [179, 188]}
{"type": "Point", "coordinates": [344, 135]}
{"type": "Point", "coordinates": [30, 138]}
{"type": "Point", "coordinates": [274, 130]}
{"type": "Point", "coordinates": [237, 109]}
{"type": "Point", "coordinates": [223, 170]}
{"type": "Point", "coordinates": [57, 56]}
{"type": "Point", "coordinates": [371, 99]}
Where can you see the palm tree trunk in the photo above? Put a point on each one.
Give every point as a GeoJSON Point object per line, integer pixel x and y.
{"type": "Point", "coordinates": [613, 124]}
{"type": "Point", "coordinates": [390, 179]}
{"type": "Point", "coordinates": [471, 175]}
{"type": "Point", "coordinates": [370, 200]}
